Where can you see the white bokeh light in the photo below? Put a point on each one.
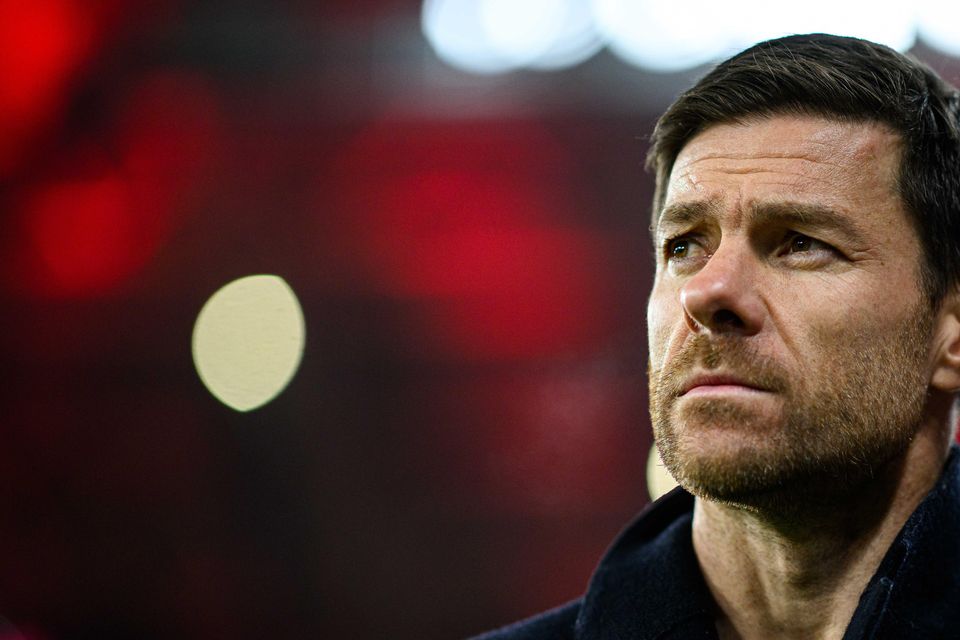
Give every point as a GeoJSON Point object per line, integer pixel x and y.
{"type": "Point", "coordinates": [248, 341]}
{"type": "Point", "coordinates": [455, 30]}
{"type": "Point", "coordinates": [493, 36]}
{"type": "Point", "coordinates": [661, 36]}
{"type": "Point", "coordinates": [541, 34]}
{"type": "Point", "coordinates": [893, 25]}
{"type": "Point", "coordinates": [521, 32]}
{"type": "Point", "coordinates": [659, 480]}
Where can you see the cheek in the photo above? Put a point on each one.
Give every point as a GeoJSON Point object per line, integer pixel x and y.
{"type": "Point", "coordinates": [837, 308]}
{"type": "Point", "coordinates": [819, 332]}
{"type": "Point", "coordinates": [662, 316]}
{"type": "Point", "coordinates": [864, 344]}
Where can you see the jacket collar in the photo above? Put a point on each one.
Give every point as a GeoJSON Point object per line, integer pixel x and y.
{"type": "Point", "coordinates": [914, 593]}
{"type": "Point", "coordinates": [649, 585]}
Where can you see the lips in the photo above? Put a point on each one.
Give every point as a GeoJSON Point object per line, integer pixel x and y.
{"type": "Point", "coordinates": [717, 380]}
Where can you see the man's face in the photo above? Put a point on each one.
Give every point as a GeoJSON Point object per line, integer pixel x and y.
{"type": "Point", "coordinates": [789, 337]}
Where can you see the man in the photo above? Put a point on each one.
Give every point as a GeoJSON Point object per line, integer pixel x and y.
{"type": "Point", "coordinates": [804, 331]}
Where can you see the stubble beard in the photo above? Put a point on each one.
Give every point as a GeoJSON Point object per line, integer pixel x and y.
{"type": "Point", "coordinates": [835, 432]}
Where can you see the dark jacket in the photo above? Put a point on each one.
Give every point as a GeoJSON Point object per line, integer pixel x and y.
{"type": "Point", "coordinates": [649, 585]}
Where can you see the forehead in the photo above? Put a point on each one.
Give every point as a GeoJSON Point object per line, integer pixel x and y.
{"type": "Point", "coordinates": [843, 165]}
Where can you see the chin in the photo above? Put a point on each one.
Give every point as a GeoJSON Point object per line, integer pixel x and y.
{"type": "Point", "coordinates": [768, 472]}
{"type": "Point", "coordinates": [728, 465]}
{"type": "Point", "coordinates": [744, 457]}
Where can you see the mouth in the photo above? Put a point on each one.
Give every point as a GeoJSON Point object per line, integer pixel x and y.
{"type": "Point", "coordinates": [718, 384]}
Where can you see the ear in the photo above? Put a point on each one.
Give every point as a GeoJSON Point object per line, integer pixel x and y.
{"type": "Point", "coordinates": [946, 365]}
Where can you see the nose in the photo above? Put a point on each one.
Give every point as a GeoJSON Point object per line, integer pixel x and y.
{"type": "Point", "coordinates": [723, 297]}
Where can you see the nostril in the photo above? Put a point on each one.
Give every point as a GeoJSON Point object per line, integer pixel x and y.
{"type": "Point", "coordinates": [727, 318]}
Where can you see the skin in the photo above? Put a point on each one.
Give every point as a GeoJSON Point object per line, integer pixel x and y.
{"type": "Point", "coordinates": [807, 466]}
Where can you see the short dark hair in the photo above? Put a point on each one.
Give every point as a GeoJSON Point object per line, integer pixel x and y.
{"type": "Point", "coordinates": [850, 80]}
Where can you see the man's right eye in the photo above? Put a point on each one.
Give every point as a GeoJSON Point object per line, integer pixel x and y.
{"type": "Point", "coordinates": [678, 248]}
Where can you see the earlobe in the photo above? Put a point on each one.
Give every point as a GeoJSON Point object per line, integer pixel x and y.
{"type": "Point", "coordinates": [946, 371]}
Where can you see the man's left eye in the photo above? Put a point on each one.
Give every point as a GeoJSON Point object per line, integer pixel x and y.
{"type": "Point", "coordinates": [799, 243]}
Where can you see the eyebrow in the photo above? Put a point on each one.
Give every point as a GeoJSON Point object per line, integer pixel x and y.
{"type": "Point", "coordinates": [788, 213]}
{"type": "Point", "coordinates": [684, 213]}
{"type": "Point", "coordinates": [807, 215]}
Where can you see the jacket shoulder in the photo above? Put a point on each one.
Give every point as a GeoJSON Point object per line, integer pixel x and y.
{"type": "Point", "coordinates": [555, 624]}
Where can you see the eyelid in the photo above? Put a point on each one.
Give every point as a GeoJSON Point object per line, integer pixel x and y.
{"type": "Point", "coordinates": [670, 241]}
{"type": "Point", "coordinates": [793, 235]}
{"type": "Point", "coordinates": [821, 251]}
{"type": "Point", "coordinates": [666, 237]}
{"type": "Point", "coordinates": [818, 246]}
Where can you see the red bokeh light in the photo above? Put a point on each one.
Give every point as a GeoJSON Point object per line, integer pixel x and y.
{"type": "Point", "coordinates": [99, 221]}
{"type": "Point", "coordinates": [524, 292]}
{"type": "Point", "coordinates": [42, 44]}
{"type": "Point", "coordinates": [84, 234]}
{"type": "Point", "coordinates": [45, 46]}
{"type": "Point", "coordinates": [478, 224]}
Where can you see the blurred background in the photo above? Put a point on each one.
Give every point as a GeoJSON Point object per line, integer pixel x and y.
{"type": "Point", "coordinates": [433, 419]}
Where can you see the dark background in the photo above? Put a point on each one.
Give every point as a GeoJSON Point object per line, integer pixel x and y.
{"type": "Point", "coordinates": [468, 429]}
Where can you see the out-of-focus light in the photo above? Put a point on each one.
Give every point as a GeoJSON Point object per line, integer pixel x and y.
{"type": "Point", "coordinates": [938, 23]}
{"type": "Point", "coordinates": [661, 36]}
{"type": "Point", "coordinates": [543, 34]}
{"type": "Point", "coordinates": [85, 234]}
{"type": "Point", "coordinates": [494, 36]}
{"type": "Point", "coordinates": [248, 341]}
{"type": "Point", "coordinates": [894, 26]}
{"type": "Point", "coordinates": [90, 227]}
{"type": "Point", "coordinates": [577, 39]}
{"type": "Point", "coordinates": [42, 43]}
{"type": "Point", "coordinates": [455, 30]}
{"type": "Point", "coordinates": [473, 223]}
{"type": "Point", "coordinates": [521, 31]}
{"type": "Point", "coordinates": [659, 480]}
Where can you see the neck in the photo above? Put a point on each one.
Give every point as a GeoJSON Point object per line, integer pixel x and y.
{"type": "Point", "coordinates": [801, 574]}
